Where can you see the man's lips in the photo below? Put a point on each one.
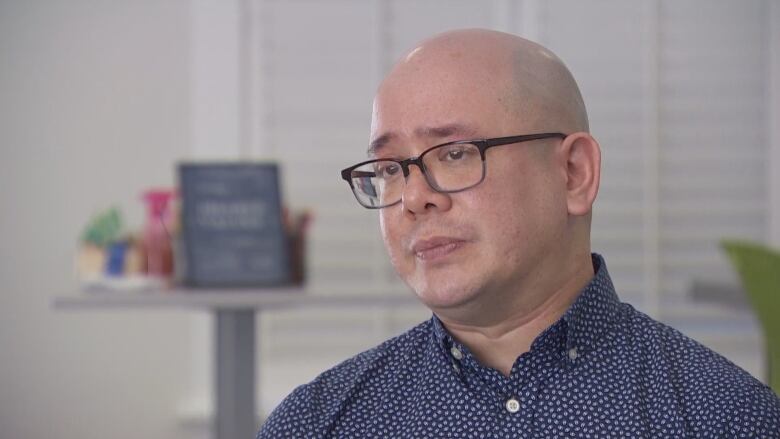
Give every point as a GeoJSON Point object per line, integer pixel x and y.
{"type": "Point", "coordinates": [436, 247]}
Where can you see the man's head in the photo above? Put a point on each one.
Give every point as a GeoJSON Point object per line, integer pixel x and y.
{"type": "Point", "coordinates": [502, 242]}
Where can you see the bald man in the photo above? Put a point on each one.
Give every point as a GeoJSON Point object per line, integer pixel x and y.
{"type": "Point", "coordinates": [483, 173]}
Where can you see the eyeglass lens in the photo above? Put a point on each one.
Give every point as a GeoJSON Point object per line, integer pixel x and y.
{"type": "Point", "coordinates": [448, 168]}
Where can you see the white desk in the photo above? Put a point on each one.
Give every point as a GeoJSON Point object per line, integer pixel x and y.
{"type": "Point", "coordinates": [235, 312]}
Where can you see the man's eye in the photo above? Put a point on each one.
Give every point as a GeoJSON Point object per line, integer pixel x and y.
{"type": "Point", "coordinates": [388, 170]}
{"type": "Point", "coordinates": [454, 153]}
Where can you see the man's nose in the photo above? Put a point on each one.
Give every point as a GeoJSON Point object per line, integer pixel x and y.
{"type": "Point", "coordinates": [419, 197]}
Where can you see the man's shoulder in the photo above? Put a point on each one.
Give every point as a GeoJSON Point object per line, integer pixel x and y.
{"type": "Point", "coordinates": [705, 383]}
{"type": "Point", "coordinates": [313, 406]}
{"type": "Point", "coordinates": [664, 343]}
{"type": "Point", "coordinates": [386, 357]}
{"type": "Point", "coordinates": [669, 350]}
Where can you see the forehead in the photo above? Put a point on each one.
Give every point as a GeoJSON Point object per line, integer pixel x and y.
{"type": "Point", "coordinates": [440, 103]}
{"type": "Point", "coordinates": [449, 130]}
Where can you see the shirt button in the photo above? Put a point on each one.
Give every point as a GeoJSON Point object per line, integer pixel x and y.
{"type": "Point", "coordinates": [573, 354]}
{"type": "Point", "coordinates": [456, 368]}
{"type": "Point", "coordinates": [512, 406]}
{"type": "Point", "coordinates": [456, 353]}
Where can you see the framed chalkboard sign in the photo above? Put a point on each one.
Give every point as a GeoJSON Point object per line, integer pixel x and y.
{"type": "Point", "coordinates": [232, 229]}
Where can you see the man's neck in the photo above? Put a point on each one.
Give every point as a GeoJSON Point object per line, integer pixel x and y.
{"type": "Point", "coordinates": [498, 345]}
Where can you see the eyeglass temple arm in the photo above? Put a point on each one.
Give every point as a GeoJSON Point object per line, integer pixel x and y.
{"type": "Point", "coordinates": [349, 174]}
{"type": "Point", "coordinates": [526, 138]}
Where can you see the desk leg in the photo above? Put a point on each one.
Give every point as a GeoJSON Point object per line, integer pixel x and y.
{"type": "Point", "coordinates": [235, 380]}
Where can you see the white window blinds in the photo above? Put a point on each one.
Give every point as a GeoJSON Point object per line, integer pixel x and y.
{"type": "Point", "coordinates": [675, 92]}
{"type": "Point", "coordinates": [713, 135]}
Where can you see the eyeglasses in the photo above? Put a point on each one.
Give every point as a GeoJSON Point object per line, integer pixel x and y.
{"type": "Point", "coordinates": [448, 168]}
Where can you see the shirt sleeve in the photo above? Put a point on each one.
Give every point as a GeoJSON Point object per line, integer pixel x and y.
{"type": "Point", "coordinates": [291, 419]}
{"type": "Point", "coordinates": [757, 415]}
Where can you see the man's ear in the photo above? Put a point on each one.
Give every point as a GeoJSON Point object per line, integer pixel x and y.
{"type": "Point", "coordinates": [582, 156]}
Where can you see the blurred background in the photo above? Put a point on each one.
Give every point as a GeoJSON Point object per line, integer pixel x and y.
{"type": "Point", "coordinates": [99, 100]}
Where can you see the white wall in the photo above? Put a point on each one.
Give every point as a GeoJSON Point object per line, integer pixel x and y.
{"type": "Point", "coordinates": [94, 106]}
{"type": "Point", "coordinates": [773, 116]}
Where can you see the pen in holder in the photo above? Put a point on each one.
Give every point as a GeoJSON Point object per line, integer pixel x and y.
{"type": "Point", "coordinates": [296, 227]}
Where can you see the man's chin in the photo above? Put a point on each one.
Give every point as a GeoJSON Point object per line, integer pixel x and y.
{"type": "Point", "coordinates": [439, 298]}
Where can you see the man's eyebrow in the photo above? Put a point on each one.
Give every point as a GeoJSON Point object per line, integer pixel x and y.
{"type": "Point", "coordinates": [461, 130]}
{"type": "Point", "coordinates": [447, 130]}
{"type": "Point", "coordinates": [378, 143]}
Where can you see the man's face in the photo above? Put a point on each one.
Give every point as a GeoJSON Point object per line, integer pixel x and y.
{"type": "Point", "coordinates": [478, 247]}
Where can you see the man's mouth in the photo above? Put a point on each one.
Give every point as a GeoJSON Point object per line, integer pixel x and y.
{"type": "Point", "coordinates": [436, 248]}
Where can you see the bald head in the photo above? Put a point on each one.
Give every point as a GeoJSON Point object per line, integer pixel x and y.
{"type": "Point", "coordinates": [526, 79]}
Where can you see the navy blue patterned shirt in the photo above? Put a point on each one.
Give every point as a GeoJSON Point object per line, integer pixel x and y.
{"type": "Point", "coordinates": [603, 370]}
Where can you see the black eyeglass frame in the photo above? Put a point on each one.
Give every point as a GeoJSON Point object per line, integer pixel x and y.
{"type": "Point", "coordinates": [482, 144]}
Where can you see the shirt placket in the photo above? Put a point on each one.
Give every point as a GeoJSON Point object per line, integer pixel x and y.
{"type": "Point", "coordinates": [513, 399]}
{"type": "Point", "coordinates": [520, 397]}
{"type": "Point", "coordinates": [526, 381]}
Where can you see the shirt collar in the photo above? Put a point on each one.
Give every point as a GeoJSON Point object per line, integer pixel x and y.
{"type": "Point", "coordinates": [594, 311]}
{"type": "Point", "coordinates": [585, 322]}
